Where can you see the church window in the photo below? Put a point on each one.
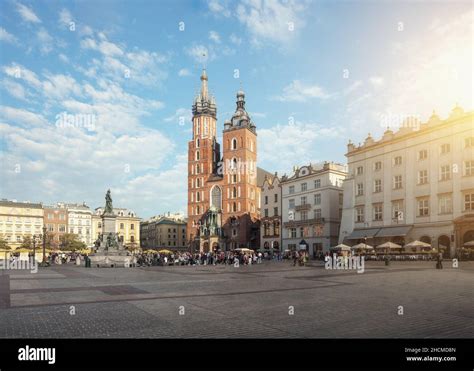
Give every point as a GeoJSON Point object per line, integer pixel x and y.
{"type": "Point", "coordinates": [234, 207]}
{"type": "Point", "coordinates": [198, 155]}
{"type": "Point", "coordinates": [197, 169]}
{"type": "Point", "coordinates": [197, 143]}
{"type": "Point", "coordinates": [234, 143]}
{"type": "Point", "coordinates": [198, 198]}
{"type": "Point", "coordinates": [206, 127]}
{"type": "Point", "coordinates": [216, 197]}
{"type": "Point", "coordinates": [234, 192]}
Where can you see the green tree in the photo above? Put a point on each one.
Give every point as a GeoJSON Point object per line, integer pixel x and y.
{"type": "Point", "coordinates": [70, 241]}
{"type": "Point", "coordinates": [27, 243]}
{"type": "Point", "coordinates": [4, 244]}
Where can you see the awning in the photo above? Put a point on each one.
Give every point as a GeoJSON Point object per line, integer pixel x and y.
{"type": "Point", "coordinates": [362, 233]}
{"type": "Point", "coordinates": [394, 231]}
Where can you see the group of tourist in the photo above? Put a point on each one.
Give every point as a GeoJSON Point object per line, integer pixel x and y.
{"type": "Point", "coordinates": [201, 258]}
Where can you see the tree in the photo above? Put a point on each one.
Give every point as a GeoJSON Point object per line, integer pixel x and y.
{"type": "Point", "coordinates": [4, 244]}
{"type": "Point", "coordinates": [27, 243]}
{"type": "Point", "coordinates": [70, 241]}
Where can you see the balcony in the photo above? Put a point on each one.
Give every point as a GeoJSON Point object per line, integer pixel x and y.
{"type": "Point", "coordinates": [300, 223]}
{"type": "Point", "coordinates": [303, 207]}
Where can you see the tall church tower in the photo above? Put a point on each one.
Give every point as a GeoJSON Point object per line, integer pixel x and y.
{"type": "Point", "coordinates": [240, 193]}
{"type": "Point", "coordinates": [203, 156]}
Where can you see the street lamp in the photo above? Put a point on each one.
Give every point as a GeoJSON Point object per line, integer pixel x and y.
{"type": "Point", "coordinates": [44, 263]}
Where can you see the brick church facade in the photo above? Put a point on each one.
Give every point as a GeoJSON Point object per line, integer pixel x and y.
{"type": "Point", "coordinates": [223, 193]}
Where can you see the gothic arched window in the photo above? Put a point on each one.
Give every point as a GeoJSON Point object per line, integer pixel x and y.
{"type": "Point", "coordinates": [234, 143]}
{"type": "Point", "coordinates": [198, 155]}
{"type": "Point", "coordinates": [197, 143]}
{"type": "Point", "coordinates": [234, 192]}
{"type": "Point", "coordinates": [216, 197]}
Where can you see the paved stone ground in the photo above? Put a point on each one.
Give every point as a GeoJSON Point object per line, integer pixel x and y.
{"type": "Point", "coordinates": [246, 302]}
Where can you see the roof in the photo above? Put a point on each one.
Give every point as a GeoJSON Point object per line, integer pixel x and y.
{"type": "Point", "coordinates": [30, 205]}
{"type": "Point", "coordinates": [261, 173]}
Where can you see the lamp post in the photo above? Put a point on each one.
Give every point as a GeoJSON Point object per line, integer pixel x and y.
{"type": "Point", "coordinates": [44, 263]}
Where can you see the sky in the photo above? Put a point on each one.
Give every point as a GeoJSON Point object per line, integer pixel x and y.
{"type": "Point", "coordinates": [98, 94]}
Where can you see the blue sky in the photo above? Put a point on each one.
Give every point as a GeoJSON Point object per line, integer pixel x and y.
{"type": "Point", "coordinates": [315, 73]}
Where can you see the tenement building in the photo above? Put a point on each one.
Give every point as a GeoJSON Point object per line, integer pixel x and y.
{"type": "Point", "coordinates": [20, 220]}
{"type": "Point", "coordinates": [270, 214]}
{"type": "Point", "coordinates": [55, 220]}
{"type": "Point", "coordinates": [413, 184]}
{"type": "Point", "coordinates": [223, 196]}
{"type": "Point", "coordinates": [163, 232]}
{"type": "Point", "coordinates": [79, 220]}
{"type": "Point", "coordinates": [127, 226]}
{"type": "Point", "coordinates": [312, 207]}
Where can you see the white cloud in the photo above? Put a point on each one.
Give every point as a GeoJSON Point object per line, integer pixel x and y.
{"type": "Point", "coordinates": [282, 146]}
{"type": "Point", "coordinates": [65, 17]}
{"type": "Point", "coordinates": [181, 117]}
{"type": "Point", "coordinates": [27, 14]}
{"type": "Point", "coordinates": [271, 20]}
{"type": "Point", "coordinates": [235, 39]}
{"type": "Point", "coordinates": [21, 117]}
{"type": "Point", "coordinates": [200, 53]}
{"type": "Point", "coordinates": [219, 8]}
{"type": "Point", "coordinates": [7, 37]}
{"type": "Point", "coordinates": [376, 81]}
{"type": "Point", "coordinates": [297, 91]}
{"type": "Point", "coordinates": [214, 36]}
{"type": "Point", "coordinates": [64, 58]}
{"type": "Point", "coordinates": [14, 89]}
{"type": "Point", "coordinates": [45, 40]}
{"type": "Point", "coordinates": [184, 72]}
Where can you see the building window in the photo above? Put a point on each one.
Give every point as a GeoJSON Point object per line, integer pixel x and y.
{"type": "Point", "coordinates": [291, 203]}
{"type": "Point", "coordinates": [468, 168]}
{"type": "Point", "coordinates": [216, 197]}
{"type": "Point", "coordinates": [317, 199]}
{"type": "Point", "coordinates": [50, 216]}
{"type": "Point", "coordinates": [360, 214]}
{"type": "Point", "coordinates": [397, 161]}
{"type": "Point", "coordinates": [303, 200]}
{"type": "Point", "coordinates": [234, 144]}
{"type": "Point", "coordinates": [301, 232]}
{"type": "Point", "coordinates": [304, 187]}
{"type": "Point", "coordinates": [198, 155]}
{"type": "Point", "coordinates": [397, 182]}
{"type": "Point", "coordinates": [377, 185]}
{"type": "Point", "coordinates": [50, 227]}
{"type": "Point", "coordinates": [234, 207]}
{"type": "Point", "coordinates": [423, 177]}
{"type": "Point", "coordinates": [378, 212]}
{"type": "Point", "coordinates": [276, 197]}
{"type": "Point", "coordinates": [132, 226]}
{"type": "Point", "coordinates": [317, 183]}
{"type": "Point", "coordinates": [397, 210]}
{"type": "Point", "coordinates": [445, 148]}
{"type": "Point", "coordinates": [62, 228]}
{"type": "Point", "coordinates": [197, 143]}
{"type": "Point", "coordinates": [378, 166]}
{"type": "Point", "coordinates": [422, 155]}
{"type": "Point", "coordinates": [445, 173]}
{"type": "Point", "coordinates": [304, 215]}
{"type": "Point", "coordinates": [266, 213]}
{"type": "Point", "coordinates": [275, 211]}
{"type": "Point", "coordinates": [469, 202]}
{"type": "Point", "coordinates": [121, 226]}
{"type": "Point", "coordinates": [198, 169]}
{"type": "Point", "coordinates": [360, 170]}
{"type": "Point", "coordinates": [292, 189]}
{"type": "Point", "coordinates": [445, 204]}
{"type": "Point", "coordinates": [292, 232]}
{"type": "Point", "coordinates": [360, 189]}
{"type": "Point", "coordinates": [469, 142]}
{"type": "Point", "coordinates": [317, 214]}
{"type": "Point", "coordinates": [266, 200]}
{"type": "Point", "coordinates": [423, 207]}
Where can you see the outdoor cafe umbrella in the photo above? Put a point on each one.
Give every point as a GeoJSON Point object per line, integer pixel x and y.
{"type": "Point", "coordinates": [362, 246]}
{"type": "Point", "coordinates": [417, 243]}
{"type": "Point", "coordinates": [341, 247]}
{"type": "Point", "coordinates": [469, 244]}
{"type": "Point", "coordinates": [165, 251]}
{"type": "Point", "coordinates": [389, 245]}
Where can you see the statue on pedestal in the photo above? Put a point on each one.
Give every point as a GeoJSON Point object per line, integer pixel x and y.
{"type": "Point", "coordinates": [108, 204]}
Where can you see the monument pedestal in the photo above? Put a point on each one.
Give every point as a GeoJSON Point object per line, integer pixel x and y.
{"type": "Point", "coordinates": [110, 251]}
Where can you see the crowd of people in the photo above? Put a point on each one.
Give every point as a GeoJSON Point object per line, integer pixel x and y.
{"type": "Point", "coordinates": [201, 258]}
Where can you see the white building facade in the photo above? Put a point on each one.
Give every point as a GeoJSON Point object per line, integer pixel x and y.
{"type": "Point", "coordinates": [79, 221]}
{"type": "Point", "coordinates": [413, 184]}
{"type": "Point", "coordinates": [312, 207]}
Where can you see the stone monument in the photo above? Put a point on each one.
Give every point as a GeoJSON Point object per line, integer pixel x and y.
{"type": "Point", "coordinates": [109, 250]}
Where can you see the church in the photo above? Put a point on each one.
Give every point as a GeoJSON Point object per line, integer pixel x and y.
{"type": "Point", "coordinates": [223, 191]}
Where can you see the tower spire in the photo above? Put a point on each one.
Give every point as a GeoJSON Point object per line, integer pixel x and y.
{"type": "Point", "coordinates": [204, 92]}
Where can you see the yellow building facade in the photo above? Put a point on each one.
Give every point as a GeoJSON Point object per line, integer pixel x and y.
{"type": "Point", "coordinates": [127, 226]}
{"type": "Point", "coordinates": [19, 220]}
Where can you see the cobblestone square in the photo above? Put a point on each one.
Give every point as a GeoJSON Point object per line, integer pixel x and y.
{"type": "Point", "coordinates": [269, 300]}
